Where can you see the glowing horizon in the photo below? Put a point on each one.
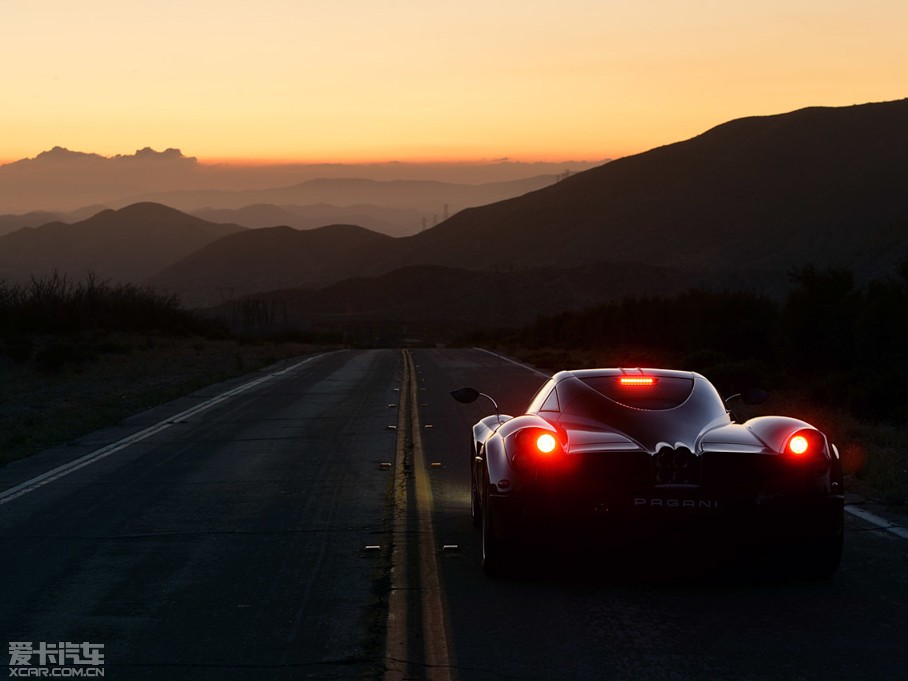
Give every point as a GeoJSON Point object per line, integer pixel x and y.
{"type": "Point", "coordinates": [336, 160]}
{"type": "Point", "coordinates": [282, 82]}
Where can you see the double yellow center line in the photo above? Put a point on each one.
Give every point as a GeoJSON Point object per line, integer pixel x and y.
{"type": "Point", "coordinates": [417, 634]}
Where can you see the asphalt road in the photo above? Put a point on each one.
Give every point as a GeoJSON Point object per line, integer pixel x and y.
{"type": "Point", "coordinates": [230, 540]}
{"type": "Point", "coordinates": [228, 546]}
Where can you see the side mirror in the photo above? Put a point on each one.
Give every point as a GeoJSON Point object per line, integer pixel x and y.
{"type": "Point", "coordinates": [465, 395]}
{"type": "Point", "coordinates": [469, 395]}
{"type": "Point", "coordinates": [754, 396]}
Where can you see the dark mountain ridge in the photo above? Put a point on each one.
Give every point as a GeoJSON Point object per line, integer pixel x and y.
{"type": "Point", "coordinates": [129, 244]}
{"type": "Point", "coordinates": [262, 260]}
{"type": "Point", "coordinates": [391, 221]}
{"type": "Point", "coordinates": [824, 185]}
{"type": "Point", "coordinates": [10, 223]}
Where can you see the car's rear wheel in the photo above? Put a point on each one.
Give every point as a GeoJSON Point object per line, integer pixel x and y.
{"type": "Point", "coordinates": [496, 555]}
{"type": "Point", "coordinates": [475, 507]}
{"type": "Point", "coordinates": [820, 558]}
{"type": "Point", "coordinates": [475, 510]}
{"type": "Point", "coordinates": [811, 558]}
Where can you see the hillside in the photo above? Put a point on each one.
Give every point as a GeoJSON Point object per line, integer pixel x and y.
{"type": "Point", "coordinates": [261, 260]}
{"type": "Point", "coordinates": [436, 302]}
{"type": "Point", "coordinates": [10, 223]}
{"type": "Point", "coordinates": [390, 221]}
{"type": "Point", "coordinates": [821, 185]}
{"type": "Point", "coordinates": [129, 244]}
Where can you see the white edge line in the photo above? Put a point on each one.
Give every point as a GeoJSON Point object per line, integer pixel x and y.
{"type": "Point", "coordinates": [882, 523]}
{"type": "Point", "coordinates": [874, 519]}
{"type": "Point", "coordinates": [514, 361]}
{"type": "Point", "coordinates": [90, 458]}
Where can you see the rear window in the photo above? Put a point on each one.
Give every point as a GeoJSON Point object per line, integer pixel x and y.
{"type": "Point", "coordinates": [664, 392]}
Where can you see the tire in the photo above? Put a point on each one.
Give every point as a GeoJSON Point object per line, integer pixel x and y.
{"type": "Point", "coordinates": [496, 554]}
{"type": "Point", "coordinates": [475, 506]}
{"type": "Point", "coordinates": [475, 509]}
{"type": "Point", "coordinates": [812, 558]}
{"type": "Point", "coordinates": [821, 557]}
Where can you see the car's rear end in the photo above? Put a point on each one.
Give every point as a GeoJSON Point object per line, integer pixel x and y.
{"type": "Point", "coordinates": [654, 465]}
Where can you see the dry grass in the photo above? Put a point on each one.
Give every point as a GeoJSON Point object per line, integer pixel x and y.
{"type": "Point", "coordinates": [46, 405]}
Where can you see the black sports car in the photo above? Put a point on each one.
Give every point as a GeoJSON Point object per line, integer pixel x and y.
{"type": "Point", "coordinates": [652, 457]}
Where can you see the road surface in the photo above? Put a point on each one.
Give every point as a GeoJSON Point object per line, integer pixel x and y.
{"type": "Point", "coordinates": [315, 524]}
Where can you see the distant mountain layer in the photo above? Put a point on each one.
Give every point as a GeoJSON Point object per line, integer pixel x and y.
{"type": "Point", "coordinates": [61, 180]}
{"type": "Point", "coordinates": [386, 220]}
{"type": "Point", "coordinates": [58, 181]}
{"type": "Point", "coordinates": [10, 223]}
{"type": "Point", "coordinates": [422, 195]}
{"type": "Point", "coordinates": [130, 244]}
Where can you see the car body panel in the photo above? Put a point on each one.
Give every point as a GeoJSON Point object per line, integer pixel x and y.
{"type": "Point", "coordinates": [637, 465]}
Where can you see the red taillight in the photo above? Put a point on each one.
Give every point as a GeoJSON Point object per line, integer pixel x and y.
{"type": "Point", "coordinates": [534, 446]}
{"type": "Point", "coordinates": [546, 443]}
{"type": "Point", "coordinates": [798, 445]}
{"type": "Point", "coordinates": [637, 381]}
{"type": "Point", "coordinates": [808, 448]}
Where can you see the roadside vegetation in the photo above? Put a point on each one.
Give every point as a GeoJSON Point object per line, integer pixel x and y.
{"type": "Point", "coordinates": [832, 352]}
{"type": "Point", "coordinates": [78, 356]}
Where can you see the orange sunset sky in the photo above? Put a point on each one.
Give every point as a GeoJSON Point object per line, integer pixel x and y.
{"type": "Point", "coordinates": [370, 80]}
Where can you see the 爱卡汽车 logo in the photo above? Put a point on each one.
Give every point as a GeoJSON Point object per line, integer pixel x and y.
{"type": "Point", "coordinates": [56, 660]}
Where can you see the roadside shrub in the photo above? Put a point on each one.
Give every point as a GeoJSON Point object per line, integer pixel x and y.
{"type": "Point", "coordinates": [18, 348]}
{"type": "Point", "coordinates": [57, 354]}
{"type": "Point", "coordinates": [837, 343]}
{"type": "Point", "coordinates": [58, 323]}
{"type": "Point", "coordinates": [56, 305]}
